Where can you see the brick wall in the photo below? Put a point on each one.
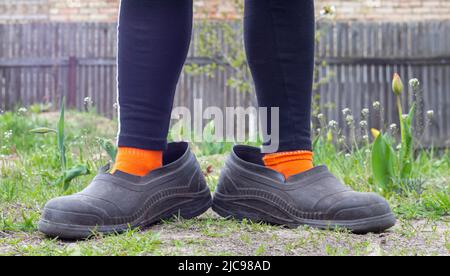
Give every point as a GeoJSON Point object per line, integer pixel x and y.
{"type": "Point", "coordinates": [58, 10]}
{"type": "Point", "coordinates": [106, 10]}
{"type": "Point", "coordinates": [391, 10]}
{"type": "Point", "coordinates": [83, 10]}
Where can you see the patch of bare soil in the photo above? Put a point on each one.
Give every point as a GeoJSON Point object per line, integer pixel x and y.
{"type": "Point", "coordinates": [210, 235]}
{"type": "Point", "coordinates": [406, 238]}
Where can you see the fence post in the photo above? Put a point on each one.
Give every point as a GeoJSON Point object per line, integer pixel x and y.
{"type": "Point", "coordinates": [72, 82]}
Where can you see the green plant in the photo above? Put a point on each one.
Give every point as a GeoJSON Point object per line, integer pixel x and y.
{"type": "Point", "coordinates": [14, 132]}
{"type": "Point", "coordinates": [228, 54]}
{"type": "Point", "coordinates": [393, 168]}
{"type": "Point", "coordinates": [209, 143]}
{"type": "Point", "coordinates": [108, 147]}
{"type": "Point", "coordinates": [67, 175]}
{"type": "Point", "coordinates": [221, 43]}
{"type": "Point", "coordinates": [384, 162]}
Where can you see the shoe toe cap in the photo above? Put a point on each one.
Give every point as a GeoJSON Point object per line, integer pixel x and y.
{"type": "Point", "coordinates": [72, 210]}
{"type": "Point", "coordinates": [360, 206]}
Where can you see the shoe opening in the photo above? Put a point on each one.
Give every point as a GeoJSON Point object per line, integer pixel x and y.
{"type": "Point", "coordinates": [174, 152]}
{"type": "Point", "coordinates": [249, 154]}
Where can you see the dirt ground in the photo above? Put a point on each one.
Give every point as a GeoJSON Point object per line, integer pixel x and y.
{"type": "Point", "coordinates": [407, 238]}
{"type": "Point", "coordinates": [211, 235]}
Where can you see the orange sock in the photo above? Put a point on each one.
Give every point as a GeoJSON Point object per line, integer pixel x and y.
{"type": "Point", "coordinates": [137, 161]}
{"type": "Point", "coordinates": [289, 163]}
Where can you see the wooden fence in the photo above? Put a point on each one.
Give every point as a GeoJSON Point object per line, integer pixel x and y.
{"type": "Point", "coordinates": [41, 62]}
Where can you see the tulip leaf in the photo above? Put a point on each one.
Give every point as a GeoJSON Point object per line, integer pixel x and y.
{"type": "Point", "coordinates": [73, 173]}
{"type": "Point", "coordinates": [383, 162]}
{"type": "Point", "coordinates": [407, 145]}
{"type": "Point", "coordinates": [43, 130]}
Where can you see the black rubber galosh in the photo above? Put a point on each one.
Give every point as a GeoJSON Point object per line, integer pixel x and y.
{"type": "Point", "coordinates": [116, 203]}
{"type": "Point", "coordinates": [247, 189]}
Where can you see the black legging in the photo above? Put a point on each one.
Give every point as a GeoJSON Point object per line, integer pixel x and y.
{"type": "Point", "coordinates": [154, 37]}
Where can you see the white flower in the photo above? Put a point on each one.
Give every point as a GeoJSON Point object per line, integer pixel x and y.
{"type": "Point", "coordinates": [430, 114]}
{"type": "Point", "coordinates": [8, 134]}
{"type": "Point", "coordinates": [22, 110]}
{"type": "Point", "coordinates": [349, 119]}
{"type": "Point", "coordinates": [365, 112]}
{"type": "Point", "coordinates": [376, 105]}
{"type": "Point", "coordinates": [333, 124]}
{"type": "Point", "coordinates": [88, 101]}
{"type": "Point", "coordinates": [414, 83]}
{"type": "Point", "coordinates": [363, 124]}
{"type": "Point", "coordinates": [320, 116]}
{"type": "Point", "coordinates": [405, 116]}
{"type": "Point", "coordinates": [393, 128]}
{"type": "Point", "coordinates": [346, 111]}
{"type": "Point", "coordinates": [365, 137]}
{"type": "Point", "coordinates": [348, 155]}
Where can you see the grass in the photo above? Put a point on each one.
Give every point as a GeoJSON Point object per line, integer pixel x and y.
{"type": "Point", "coordinates": [29, 167]}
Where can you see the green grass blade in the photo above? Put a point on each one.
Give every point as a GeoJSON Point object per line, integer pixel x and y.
{"type": "Point", "coordinates": [61, 137]}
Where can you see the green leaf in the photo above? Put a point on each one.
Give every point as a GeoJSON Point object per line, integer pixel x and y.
{"type": "Point", "coordinates": [383, 162]}
{"type": "Point", "coordinates": [108, 146]}
{"type": "Point", "coordinates": [61, 137]}
{"type": "Point", "coordinates": [43, 130]}
{"type": "Point", "coordinates": [407, 147]}
{"type": "Point", "coordinates": [73, 173]}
